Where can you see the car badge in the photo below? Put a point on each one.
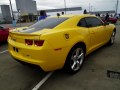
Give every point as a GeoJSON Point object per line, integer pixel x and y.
{"type": "Point", "coordinates": [67, 36]}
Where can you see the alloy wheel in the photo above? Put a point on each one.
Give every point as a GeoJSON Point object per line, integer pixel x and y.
{"type": "Point", "coordinates": [77, 59]}
{"type": "Point", "coordinates": [113, 37]}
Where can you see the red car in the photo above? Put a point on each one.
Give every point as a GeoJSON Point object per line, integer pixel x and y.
{"type": "Point", "coordinates": [3, 34]}
{"type": "Point", "coordinates": [110, 19]}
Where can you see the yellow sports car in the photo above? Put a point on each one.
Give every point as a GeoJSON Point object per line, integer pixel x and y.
{"type": "Point", "coordinates": [60, 42]}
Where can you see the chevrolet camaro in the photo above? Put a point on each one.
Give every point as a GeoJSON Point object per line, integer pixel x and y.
{"type": "Point", "coordinates": [60, 42]}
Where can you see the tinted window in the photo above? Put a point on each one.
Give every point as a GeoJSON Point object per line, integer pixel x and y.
{"type": "Point", "coordinates": [93, 22]}
{"type": "Point", "coordinates": [82, 23]}
{"type": "Point", "coordinates": [48, 23]}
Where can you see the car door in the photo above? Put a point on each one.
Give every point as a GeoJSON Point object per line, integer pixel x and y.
{"type": "Point", "coordinates": [84, 30]}
{"type": "Point", "coordinates": [97, 31]}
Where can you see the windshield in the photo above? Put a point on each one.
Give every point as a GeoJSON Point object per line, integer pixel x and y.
{"type": "Point", "coordinates": [48, 23]}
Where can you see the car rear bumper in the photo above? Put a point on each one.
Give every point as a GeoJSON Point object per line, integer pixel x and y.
{"type": "Point", "coordinates": [48, 59]}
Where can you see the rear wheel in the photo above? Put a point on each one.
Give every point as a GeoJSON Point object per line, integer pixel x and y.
{"type": "Point", "coordinates": [75, 59]}
{"type": "Point", "coordinates": [112, 38]}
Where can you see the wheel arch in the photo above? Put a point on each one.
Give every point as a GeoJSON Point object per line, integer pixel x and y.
{"type": "Point", "coordinates": [81, 43]}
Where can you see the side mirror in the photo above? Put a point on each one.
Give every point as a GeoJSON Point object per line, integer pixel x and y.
{"type": "Point", "coordinates": [106, 23]}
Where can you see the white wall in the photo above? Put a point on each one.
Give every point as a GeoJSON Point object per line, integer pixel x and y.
{"type": "Point", "coordinates": [26, 6]}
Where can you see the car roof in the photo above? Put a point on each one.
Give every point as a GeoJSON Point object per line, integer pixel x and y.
{"type": "Point", "coordinates": [74, 15]}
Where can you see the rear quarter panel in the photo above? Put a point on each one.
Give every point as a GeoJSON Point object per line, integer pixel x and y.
{"type": "Point", "coordinates": [61, 45]}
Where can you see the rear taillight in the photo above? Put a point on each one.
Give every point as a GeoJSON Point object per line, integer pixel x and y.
{"type": "Point", "coordinates": [28, 42]}
{"type": "Point", "coordinates": [38, 42]}
{"type": "Point", "coordinates": [35, 42]}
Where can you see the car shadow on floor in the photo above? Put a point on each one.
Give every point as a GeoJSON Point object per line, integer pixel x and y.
{"type": "Point", "coordinates": [92, 75]}
{"type": "Point", "coordinates": [3, 43]}
{"type": "Point", "coordinates": [86, 61]}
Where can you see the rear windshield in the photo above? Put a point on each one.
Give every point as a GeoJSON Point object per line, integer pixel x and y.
{"type": "Point", "coordinates": [48, 23]}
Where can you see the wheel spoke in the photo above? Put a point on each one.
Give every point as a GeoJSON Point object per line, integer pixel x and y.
{"type": "Point", "coordinates": [74, 64]}
{"type": "Point", "coordinates": [114, 34]}
{"type": "Point", "coordinates": [80, 56]}
{"type": "Point", "coordinates": [78, 64]}
{"type": "Point", "coordinates": [113, 37]}
{"type": "Point", "coordinates": [77, 51]}
{"type": "Point", "coordinates": [73, 58]}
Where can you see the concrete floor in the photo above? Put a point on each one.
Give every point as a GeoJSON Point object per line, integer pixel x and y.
{"type": "Point", "coordinates": [15, 76]}
{"type": "Point", "coordinates": [92, 76]}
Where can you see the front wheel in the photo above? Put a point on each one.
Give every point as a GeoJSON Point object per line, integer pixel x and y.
{"type": "Point", "coordinates": [75, 59]}
{"type": "Point", "coordinates": [112, 38]}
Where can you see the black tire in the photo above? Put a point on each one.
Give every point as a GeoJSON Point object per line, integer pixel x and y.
{"type": "Point", "coordinates": [74, 59]}
{"type": "Point", "coordinates": [112, 38]}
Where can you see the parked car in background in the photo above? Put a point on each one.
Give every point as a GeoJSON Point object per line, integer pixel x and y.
{"type": "Point", "coordinates": [110, 19]}
{"type": "Point", "coordinates": [60, 42]}
{"type": "Point", "coordinates": [4, 32]}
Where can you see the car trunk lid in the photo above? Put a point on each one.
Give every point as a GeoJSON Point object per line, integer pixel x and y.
{"type": "Point", "coordinates": [19, 35]}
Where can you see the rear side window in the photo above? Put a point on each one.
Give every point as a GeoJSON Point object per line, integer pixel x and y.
{"type": "Point", "coordinates": [93, 22]}
{"type": "Point", "coordinates": [48, 23]}
{"type": "Point", "coordinates": [82, 23]}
